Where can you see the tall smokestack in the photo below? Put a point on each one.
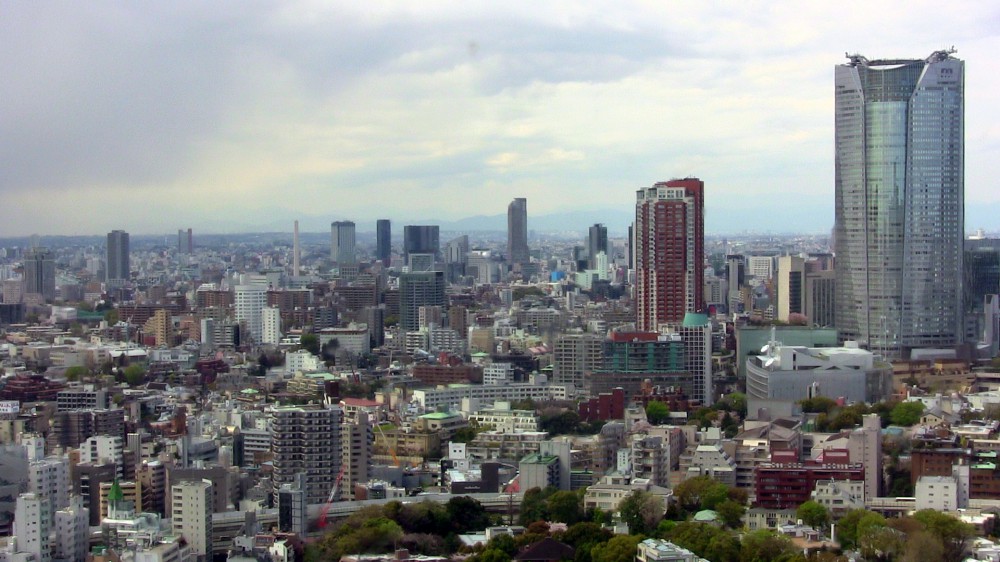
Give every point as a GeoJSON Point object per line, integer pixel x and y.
{"type": "Point", "coordinates": [296, 255]}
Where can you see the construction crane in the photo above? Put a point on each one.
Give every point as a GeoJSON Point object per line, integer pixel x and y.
{"type": "Point", "coordinates": [333, 495]}
{"type": "Point", "coordinates": [391, 446]}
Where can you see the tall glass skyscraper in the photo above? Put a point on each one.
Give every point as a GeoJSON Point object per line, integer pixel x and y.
{"type": "Point", "coordinates": [517, 231]}
{"type": "Point", "coordinates": [342, 242]}
{"type": "Point", "coordinates": [899, 196]}
{"type": "Point", "coordinates": [383, 241]}
{"type": "Point", "coordinates": [119, 265]}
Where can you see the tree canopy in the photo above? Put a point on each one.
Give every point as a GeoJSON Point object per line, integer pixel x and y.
{"type": "Point", "coordinates": [906, 413]}
{"type": "Point", "coordinates": [657, 412]}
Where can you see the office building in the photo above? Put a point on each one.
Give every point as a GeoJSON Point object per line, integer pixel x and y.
{"type": "Point", "coordinates": [250, 301]}
{"type": "Point", "coordinates": [307, 439]}
{"type": "Point", "coordinates": [342, 242]}
{"type": "Point", "coordinates": [39, 274]}
{"type": "Point", "coordinates": [358, 437]}
{"type": "Point", "coordinates": [185, 241]}
{"type": "Point", "coordinates": [421, 239]}
{"type": "Point", "coordinates": [597, 242]}
{"type": "Point", "coordinates": [736, 276]}
{"type": "Point", "coordinates": [793, 373]}
{"type": "Point", "coordinates": [821, 297]}
{"type": "Point", "coordinates": [517, 232]}
{"type": "Point", "coordinates": [191, 515]}
{"type": "Point", "coordinates": [416, 290]}
{"type": "Point", "coordinates": [292, 508]}
{"type": "Point", "coordinates": [669, 252]}
{"type": "Point", "coordinates": [981, 278]}
{"type": "Point", "coordinates": [899, 196]}
{"type": "Point", "coordinates": [118, 264]}
{"type": "Point", "coordinates": [296, 252]}
{"type": "Point", "coordinates": [791, 286]}
{"type": "Point", "coordinates": [87, 480]}
{"type": "Point", "coordinates": [383, 241]}
{"type": "Point", "coordinates": [761, 267]}
{"type": "Point", "coordinates": [573, 356]}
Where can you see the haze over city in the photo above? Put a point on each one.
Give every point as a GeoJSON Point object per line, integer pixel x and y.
{"type": "Point", "coordinates": [243, 117]}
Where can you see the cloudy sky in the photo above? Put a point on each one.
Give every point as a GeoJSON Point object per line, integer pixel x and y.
{"type": "Point", "coordinates": [239, 116]}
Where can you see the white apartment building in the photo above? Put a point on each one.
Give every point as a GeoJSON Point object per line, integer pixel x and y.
{"type": "Point", "coordinates": [191, 515]}
{"type": "Point", "coordinates": [498, 373]}
{"type": "Point", "coordinates": [501, 418]}
{"type": "Point", "coordinates": [31, 526]}
{"type": "Point", "coordinates": [939, 493]}
{"type": "Point", "coordinates": [104, 448]}
{"type": "Point", "coordinates": [270, 325]}
{"type": "Point", "coordinates": [301, 360]}
{"type": "Point", "coordinates": [72, 526]}
{"type": "Point", "coordinates": [50, 478]}
{"type": "Point", "coordinates": [250, 301]}
{"type": "Point", "coordinates": [432, 400]}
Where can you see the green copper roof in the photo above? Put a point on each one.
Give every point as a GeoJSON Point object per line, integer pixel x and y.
{"type": "Point", "coordinates": [115, 493]}
{"type": "Point", "coordinates": [695, 319]}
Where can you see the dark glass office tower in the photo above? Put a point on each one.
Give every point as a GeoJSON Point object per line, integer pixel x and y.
{"type": "Point", "coordinates": [517, 231]}
{"type": "Point", "coordinates": [118, 257]}
{"type": "Point", "coordinates": [383, 241]}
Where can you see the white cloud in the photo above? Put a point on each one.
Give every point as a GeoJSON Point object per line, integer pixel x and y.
{"type": "Point", "coordinates": [312, 107]}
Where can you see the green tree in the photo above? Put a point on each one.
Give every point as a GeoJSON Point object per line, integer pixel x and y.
{"type": "Point", "coordinates": [696, 537]}
{"type": "Point", "coordinates": [464, 435]}
{"type": "Point", "coordinates": [922, 546]}
{"type": "Point", "coordinates": [689, 492]}
{"type": "Point", "coordinates": [906, 413]}
{"type": "Point", "coordinates": [76, 372]}
{"type": "Point", "coordinates": [466, 514]}
{"type": "Point", "coordinates": [503, 543]}
{"type": "Point", "coordinates": [881, 543]}
{"type": "Point", "coordinates": [559, 423]}
{"type": "Point", "coordinates": [310, 343]}
{"type": "Point", "coordinates": [731, 513]}
{"type": "Point", "coordinates": [533, 505]}
{"type": "Point", "coordinates": [375, 535]}
{"type": "Point", "coordinates": [765, 546]}
{"type": "Point", "coordinates": [134, 374]}
{"type": "Point", "coordinates": [583, 537]}
{"type": "Point", "coordinates": [641, 511]}
{"type": "Point", "coordinates": [585, 532]}
{"type": "Point", "coordinates": [723, 547]}
{"type": "Point", "coordinates": [953, 534]}
{"type": "Point", "coordinates": [813, 514]}
{"type": "Point", "coordinates": [714, 495]}
{"type": "Point", "coordinates": [619, 549]}
{"type": "Point", "coordinates": [492, 555]}
{"type": "Point", "coordinates": [818, 405]}
{"type": "Point", "coordinates": [848, 525]}
{"type": "Point", "coordinates": [657, 412]}
{"type": "Point", "coordinates": [565, 506]}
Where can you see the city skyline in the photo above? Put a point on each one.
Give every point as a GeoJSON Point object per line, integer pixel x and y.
{"type": "Point", "coordinates": [302, 111]}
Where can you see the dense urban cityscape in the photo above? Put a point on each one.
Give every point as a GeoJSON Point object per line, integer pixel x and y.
{"type": "Point", "coordinates": [402, 392]}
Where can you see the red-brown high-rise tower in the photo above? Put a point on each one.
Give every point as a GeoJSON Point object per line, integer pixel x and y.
{"type": "Point", "coordinates": [669, 252]}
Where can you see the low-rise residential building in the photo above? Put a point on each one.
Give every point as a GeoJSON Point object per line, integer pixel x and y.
{"type": "Point", "coordinates": [659, 550]}
{"type": "Point", "coordinates": [502, 418]}
{"type": "Point", "coordinates": [444, 398]}
{"type": "Point", "coordinates": [939, 493]}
